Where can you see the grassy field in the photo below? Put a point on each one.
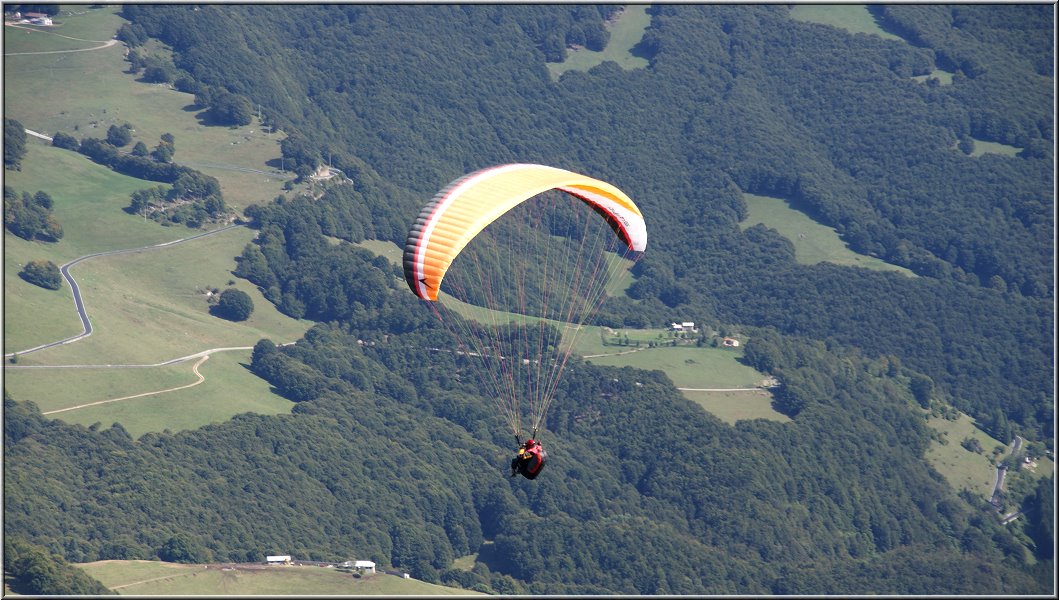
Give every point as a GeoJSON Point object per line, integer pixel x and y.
{"type": "Point", "coordinates": [150, 306]}
{"type": "Point", "coordinates": [737, 406]}
{"type": "Point", "coordinates": [152, 578]}
{"type": "Point", "coordinates": [690, 367]}
{"type": "Point", "coordinates": [983, 147]}
{"type": "Point", "coordinates": [228, 389]}
{"type": "Point", "coordinates": [625, 33]}
{"type": "Point", "coordinates": [813, 242]}
{"type": "Point", "coordinates": [854, 18]}
{"type": "Point", "coordinates": [145, 307]}
{"type": "Point", "coordinates": [962, 468]}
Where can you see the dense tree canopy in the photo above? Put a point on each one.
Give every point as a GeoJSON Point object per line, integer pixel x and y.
{"type": "Point", "coordinates": [14, 144]}
{"type": "Point", "coordinates": [737, 98]}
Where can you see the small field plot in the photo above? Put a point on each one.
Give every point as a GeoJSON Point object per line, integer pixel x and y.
{"type": "Point", "coordinates": [228, 388]}
{"type": "Point", "coordinates": [151, 579]}
{"type": "Point", "coordinates": [737, 406]}
{"type": "Point", "coordinates": [625, 33]}
{"type": "Point", "coordinates": [813, 242]}
{"type": "Point", "coordinates": [854, 18]}
{"type": "Point", "coordinates": [152, 306]}
{"type": "Point", "coordinates": [690, 367]}
{"type": "Point", "coordinates": [983, 147]}
{"type": "Point", "coordinates": [963, 468]}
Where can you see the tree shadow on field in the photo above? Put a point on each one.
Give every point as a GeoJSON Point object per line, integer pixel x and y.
{"type": "Point", "coordinates": [271, 388]}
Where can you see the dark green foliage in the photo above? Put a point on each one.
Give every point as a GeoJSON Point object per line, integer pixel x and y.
{"type": "Point", "coordinates": [14, 144]}
{"type": "Point", "coordinates": [119, 136]}
{"type": "Point", "coordinates": [826, 149]}
{"type": "Point", "coordinates": [231, 109]}
{"type": "Point", "coordinates": [182, 549]}
{"type": "Point", "coordinates": [36, 571]}
{"type": "Point", "coordinates": [140, 150]}
{"type": "Point", "coordinates": [737, 98]}
{"type": "Point", "coordinates": [194, 200]}
{"type": "Point", "coordinates": [234, 305]}
{"type": "Point", "coordinates": [43, 273]}
{"type": "Point", "coordinates": [31, 217]}
{"type": "Point", "coordinates": [1040, 511]}
{"type": "Point", "coordinates": [132, 34]}
{"type": "Point", "coordinates": [66, 141]}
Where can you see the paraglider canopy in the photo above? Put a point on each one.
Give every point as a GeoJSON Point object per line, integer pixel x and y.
{"type": "Point", "coordinates": [460, 211]}
{"type": "Point", "coordinates": [540, 249]}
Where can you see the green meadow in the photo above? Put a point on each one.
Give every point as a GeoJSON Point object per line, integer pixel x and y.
{"type": "Point", "coordinates": [145, 307]}
{"type": "Point", "coordinates": [962, 468]}
{"type": "Point", "coordinates": [88, 204]}
{"type": "Point", "coordinates": [854, 18]}
{"type": "Point", "coordinates": [737, 406]}
{"type": "Point", "coordinates": [228, 388]}
{"type": "Point", "coordinates": [813, 242]}
{"type": "Point", "coordinates": [625, 33]}
{"type": "Point", "coordinates": [151, 306]}
{"type": "Point", "coordinates": [153, 578]}
{"type": "Point", "coordinates": [39, 94]}
{"type": "Point", "coordinates": [983, 147]}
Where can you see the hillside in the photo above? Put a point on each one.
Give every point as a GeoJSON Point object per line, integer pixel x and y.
{"type": "Point", "coordinates": [392, 450]}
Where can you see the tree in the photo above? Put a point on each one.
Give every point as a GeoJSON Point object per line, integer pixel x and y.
{"type": "Point", "coordinates": [140, 150]}
{"type": "Point", "coordinates": [65, 140]}
{"type": "Point", "coordinates": [181, 549]}
{"type": "Point", "coordinates": [43, 273]}
{"type": "Point", "coordinates": [14, 144]}
{"type": "Point", "coordinates": [119, 136]}
{"type": "Point", "coordinates": [234, 305]}
{"type": "Point", "coordinates": [232, 109]}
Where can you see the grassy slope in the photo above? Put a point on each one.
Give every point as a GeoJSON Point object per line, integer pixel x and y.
{"type": "Point", "coordinates": [625, 33]}
{"type": "Point", "coordinates": [38, 92]}
{"type": "Point", "coordinates": [144, 307]}
{"type": "Point", "coordinates": [854, 18]}
{"type": "Point", "coordinates": [159, 578]}
{"type": "Point", "coordinates": [229, 388]}
{"type": "Point", "coordinates": [812, 241]}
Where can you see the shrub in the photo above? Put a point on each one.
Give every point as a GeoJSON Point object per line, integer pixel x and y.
{"type": "Point", "coordinates": [234, 305]}
{"type": "Point", "coordinates": [43, 273]}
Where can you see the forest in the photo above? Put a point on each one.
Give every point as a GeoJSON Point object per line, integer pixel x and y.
{"type": "Point", "coordinates": [393, 450]}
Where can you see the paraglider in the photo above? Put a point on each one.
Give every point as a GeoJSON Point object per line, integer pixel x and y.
{"type": "Point", "coordinates": [530, 460]}
{"type": "Point", "coordinates": [540, 249]}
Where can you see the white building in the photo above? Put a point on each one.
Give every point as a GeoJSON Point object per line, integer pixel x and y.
{"type": "Point", "coordinates": [365, 565]}
{"type": "Point", "coordinates": [282, 559]}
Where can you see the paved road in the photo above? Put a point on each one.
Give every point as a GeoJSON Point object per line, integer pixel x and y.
{"type": "Point", "coordinates": [79, 304]}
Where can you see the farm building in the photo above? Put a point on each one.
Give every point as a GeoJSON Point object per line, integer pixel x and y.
{"type": "Point", "coordinates": [685, 326]}
{"type": "Point", "coordinates": [365, 565]}
{"type": "Point", "coordinates": [731, 342]}
{"type": "Point", "coordinates": [282, 559]}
